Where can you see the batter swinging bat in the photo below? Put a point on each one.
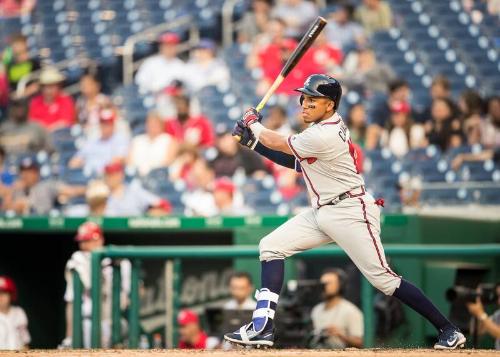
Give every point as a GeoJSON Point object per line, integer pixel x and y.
{"type": "Point", "coordinates": [304, 44]}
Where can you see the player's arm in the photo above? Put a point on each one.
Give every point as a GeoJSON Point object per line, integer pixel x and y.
{"type": "Point", "coordinates": [267, 137]}
{"type": "Point", "coordinates": [246, 138]}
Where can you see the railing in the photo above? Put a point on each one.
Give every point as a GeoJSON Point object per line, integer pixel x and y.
{"type": "Point", "coordinates": [174, 255]}
{"type": "Point", "coordinates": [151, 34]}
{"type": "Point", "coordinates": [228, 25]}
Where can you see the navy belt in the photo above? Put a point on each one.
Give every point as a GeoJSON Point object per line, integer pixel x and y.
{"type": "Point", "coordinates": [345, 195]}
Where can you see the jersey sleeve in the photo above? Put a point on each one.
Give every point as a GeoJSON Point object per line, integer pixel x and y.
{"type": "Point", "coordinates": [308, 144]}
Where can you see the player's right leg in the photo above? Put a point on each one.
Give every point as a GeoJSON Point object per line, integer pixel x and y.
{"type": "Point", "coordinates": [296, 235]}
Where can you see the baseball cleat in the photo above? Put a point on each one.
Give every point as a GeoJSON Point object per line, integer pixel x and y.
{"type": "Point", "coordinates": [450, 339]}
{"type": "Point", "coordinates": [247, 336]}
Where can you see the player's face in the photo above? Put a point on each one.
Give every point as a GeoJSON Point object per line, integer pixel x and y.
{"type": "Point", "coordinates": [4, 300]}
{"type": "Point", "coordinates": [240, 289]}
{"type": "Point", "coordinates": [331, 284]}
{"type": "Point", "coordinates": [188, 332]}
{"type": "Point", "coordinates": [90, 245]}
{"type": "Point", "coordinates": [316, 108]}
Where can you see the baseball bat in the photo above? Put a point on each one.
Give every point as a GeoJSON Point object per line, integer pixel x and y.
{"type": "Point", "coordinates": [304, 44]}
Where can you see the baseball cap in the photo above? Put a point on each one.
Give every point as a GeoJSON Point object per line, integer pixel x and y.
{"type": "Point", "coordinates": [113, 168]}
{"type": "Point", "coordinates": [206, 44]}
{"type": "Point", "coordinates": [400, 106]}
{"type": "Point", "coordinates": [107, 116]}
{"type": "Point", "coordinates": [8, 285]}
{"type": "Point", "coordinates": [169, 38]}
{"type": "Point", "coordinates": [224, 184]}
{"type": "Point", "coordinates": [28, 163]}
{"type": "Point", "coordinates": [89, 231]}
{"type": "Point", "coordinates": [187, 317]}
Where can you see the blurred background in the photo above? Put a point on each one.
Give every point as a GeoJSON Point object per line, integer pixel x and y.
{"type": "Point", "coordinates": [120, 112]}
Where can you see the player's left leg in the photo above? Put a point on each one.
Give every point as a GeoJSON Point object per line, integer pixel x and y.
{"type": "Point", "coordinates": [355, 225]}
{"type": "Point", "coordinates": [298, 234]}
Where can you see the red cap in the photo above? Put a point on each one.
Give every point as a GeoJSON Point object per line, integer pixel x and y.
{"type": "Point", "coordinates": [7, 285]}
{"type": "Point", "coordinates": [113, 167]}
{"type": "Point", "coordinates": [400, 106]}
{"type": "Point", "coordinates": [89, 231]}
{"type": "Point", "coordinates": [187, 317]}
{"type": "Point", "coordinates": [169, 38]}
{"type": "Point", "coordinates": [224, 184]}
{"type": "Point", "coordinates": [107, 116]}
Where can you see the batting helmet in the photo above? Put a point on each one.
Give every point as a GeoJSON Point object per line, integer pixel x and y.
{"type": "Point", "coordinates": [89, 231]}
{"type": "Point", "coordinates": [8, 285]}
{"type": "Point", "coordinates": [322, 85]}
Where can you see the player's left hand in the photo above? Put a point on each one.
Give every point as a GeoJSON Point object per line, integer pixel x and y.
{"type": "Point", "coordinates": [251, 116]}
{"type": "Point", "coordinates": [246, 137]}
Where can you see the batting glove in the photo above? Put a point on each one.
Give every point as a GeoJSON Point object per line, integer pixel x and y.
{"type": "Point", "coordinates": [251, 116]}
{"type": "Point", "coordinates": [246, 137]}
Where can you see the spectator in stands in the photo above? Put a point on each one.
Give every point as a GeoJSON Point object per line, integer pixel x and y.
{"type": "Point", "coordinates": [20, 136]}
{"type": "Point", "coordinates": [227, 199]}
{"type": "Point", "coordinates": [342, 30]}
{"type": "Point", "coordinates": [154, 149]}
{"type": "Point", "coordinates": [53, 108]}
{"type": "Point", "coordinates": [487, 324]}
{"type": "Point", "coordinates": [379, 111]}
{"type": "Point", "coordinates": [18, 64]}
{"type": "Point", "coordinates": [130, 199]}
{"type": "Point", "coordinates": [31, 195]}
{"type": "Point", "coordinates": [231, 156]}
{"type": "Point", "coordinates": [4, 91]}
{"type": "Point", "coordinates": [110, 147]}
{"type": "Point", "coordinates": [374, 15]}
{"type": "Point", "coordinates": [254, 22]}
{"type": "Point", "coordinates": [199, 199]}
{"type": "Point", "coordinates": [6, 176]}
{"type": "Point", "coordinates": [490, 129]}
{"type": "Point", "coordinates": [96, 196]}
{"type": "Point", "coordinates": [471, 106]}
{"type": "Point", "coordinates": [14, 333]}
{"type": "Point", "coordinates": [241, 289]}
{"type": "Point", "coordinates": [363, 72]}
{"type": "Point", "coordinates": [191, 129]}
{"type": "Point", "coordinates": [297, 14]}
{"type": "Point", "coordinates": [277, 120]}
{"type": "Point", "coordinates": [16, 8]}
{"type": "Point", "coordinates": [326, 56]}
{"type": "Point", "coordinates": [181, 167]}
{"type": "Point", "coordinates": [204, 68]}
{"type": "Point", "coordinates": [158, 71]}
{"type": "Point", "coordinates": [485, 155]}
{"type": "Point", "coordinates": [90, 103]}
{"type": "Point", "coordinates": [440, 88]}
{"type": "Point", "coordinates": [443, 130]}
{"type": "Point", "coordinates": [356, 122]}
{"type": "Point", "coordinates": [191, 335]}
{"type": "Point", "coordinates": [402, 135]}
{"type": "Point", "coordinates": [337, 322]}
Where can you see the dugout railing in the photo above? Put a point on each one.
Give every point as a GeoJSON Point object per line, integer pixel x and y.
{"type": "Point", "coordinates": [173, 257]}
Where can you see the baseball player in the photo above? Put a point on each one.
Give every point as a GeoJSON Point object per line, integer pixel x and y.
{"type": "Point", "coordinates": [342, 212]}
{"type": "Point", "coordinates": [89, 238]}
{"type": "Point", "coordinates": [14, 334]}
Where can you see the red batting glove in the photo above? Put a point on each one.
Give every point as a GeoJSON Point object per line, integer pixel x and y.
{"type": "Point", "coordinates": [251, 116]}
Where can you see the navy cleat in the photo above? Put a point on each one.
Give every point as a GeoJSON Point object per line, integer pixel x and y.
{"type": "Point", "coordinates": [247, 336]}
{"type": "Point", "coordinates": [450, 338]}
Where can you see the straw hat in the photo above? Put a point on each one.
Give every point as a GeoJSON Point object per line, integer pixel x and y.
{"type": "Point", "coordinates": [51, 75]}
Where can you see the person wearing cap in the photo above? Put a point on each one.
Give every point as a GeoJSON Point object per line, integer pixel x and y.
{"type": "Point", "coordinates": [32, 195]}
{"type": "Point", "coordinates": [158, 71]}
{"type": "Point", "coordinates": [90, 237]}
{"type": "Point", "coordinates": [191, 335]}
{"type": "Point", "coordinates": [18, 135]}
{"type": "Point", "coordinates": [204, 68]}
{"type": "Point", "coordinates": [53, 109]}
{"type": "Point", "coordinates": [14, 333]}
{"type": "Point", "coordinates": [111, 146]}
{"type": "Point", "coordinates": [231, 157]}
{"type": "Point", "coordinates": [228, 200]}
{"type": "Point", "coordinates": [153, 149]}
{"type": "Point", "coordinates": [130, 199]}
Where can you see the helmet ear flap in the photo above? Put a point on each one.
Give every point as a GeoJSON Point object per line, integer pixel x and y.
{"type": "Point", "coordinates": [301, 99]}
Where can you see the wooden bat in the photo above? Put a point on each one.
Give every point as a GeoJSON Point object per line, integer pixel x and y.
{"type": "Point", "coordinates": [304, 44]}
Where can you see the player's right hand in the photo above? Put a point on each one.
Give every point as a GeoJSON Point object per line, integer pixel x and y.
{"type": "Point", "coordinates": [245, 135]}
{"type": "Point", "coordinates": [251, 116]}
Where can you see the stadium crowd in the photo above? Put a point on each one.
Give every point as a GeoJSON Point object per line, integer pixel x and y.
{"type": "Point", "coordinates": [115, 169]}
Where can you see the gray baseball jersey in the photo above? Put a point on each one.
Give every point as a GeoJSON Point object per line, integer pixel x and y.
{"type": "Point", "coordinates": [327, 159]}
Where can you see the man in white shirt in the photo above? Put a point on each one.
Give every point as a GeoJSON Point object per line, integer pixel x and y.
{"type": "Point", "coordinates": [241, 288]}
{"type": "Point", "coordinates": [14, 334]}
{"type": "Point", "coordinates": [337, 322]}
{"type": "Point", "coordinates": [158, 71]}
{"type": "Point", "coordinates": [298, 15]}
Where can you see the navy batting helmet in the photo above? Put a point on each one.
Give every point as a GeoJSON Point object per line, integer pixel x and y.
{"type": "Point", "coordinates": [322, 85]}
